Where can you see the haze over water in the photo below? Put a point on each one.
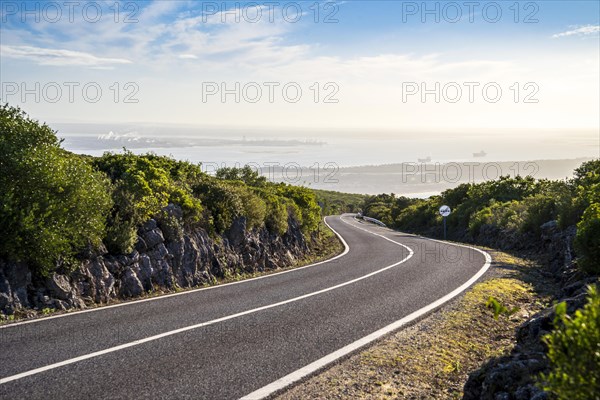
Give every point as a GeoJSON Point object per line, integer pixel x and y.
{"type": "Point", "coordinates": [344, 149]}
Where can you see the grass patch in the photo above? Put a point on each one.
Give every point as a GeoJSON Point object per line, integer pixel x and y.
{"type": "Point", "coordinates": [432, 358]}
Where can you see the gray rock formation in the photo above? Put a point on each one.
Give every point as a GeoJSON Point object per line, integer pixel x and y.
{"type": "Point", "coordinates": [15, 278]}
{"type": "Point", "coordinates": [158, 261]}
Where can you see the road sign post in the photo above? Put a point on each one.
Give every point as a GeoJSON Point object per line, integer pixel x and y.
{"type": "Point", "coordinates": [444, 212]}
{"type": "Point", "coordinates": [444, 228]}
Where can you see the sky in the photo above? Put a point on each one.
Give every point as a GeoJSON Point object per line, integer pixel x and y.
{"type": "Point", "coordinates": [383, 67]}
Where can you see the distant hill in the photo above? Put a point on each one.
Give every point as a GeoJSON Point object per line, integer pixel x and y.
{"type": "Point", "coordinates": [424, 179]}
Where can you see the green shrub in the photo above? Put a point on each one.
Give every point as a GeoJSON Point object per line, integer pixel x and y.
{"type": "Point", "coordinates": [498, 308]}
{"type": "Point", "coordinates": [587, 177]}
{"type": "Point", "coordinates": [418, 217]}
{"type": "Point", "coordinates": [306, 209]}
{"type": "Point", "coordinates": [584, 191]}
{"type": "Point", "coordinates": [526, 215]}
{"type": "Point", "coordinates": [276, 218]}
{"type": "Point", "coordinates": [121, 235]}
{"type": "Point", "coordinates": [574, 352]}
{"type": "Point", "coordinates": [538, 209]}
{"type": "Point", "coordinates": [587, 241]}
{"type": "Point", "coordinates": [508, 215]}
{"type": "Point", "coordinates": [380, 211]}
{"type": "Point", "coordinates": [170, 225]}
{"type": "Point", "coordinates": [143, 186]}
{"type": "Point", "coordinates": [245, 174]}
{"type": "Point", "coordinates": [224, 203]}
{"type": "Point", "coordinates": [479, 219]}
{"type": "Point", "coordinates": [254, 208]}
{"type": "Point", "coordinates": [52, 202]}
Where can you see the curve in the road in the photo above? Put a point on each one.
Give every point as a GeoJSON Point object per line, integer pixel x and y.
{"type": "Point", "coordinates": [324, 312]}
{"type": "Point", "coordinates": [190, 291]}
{"type": "Point", "coordinates": [312, 368]}
{"type": "Point", "coordinates": [214, 321]}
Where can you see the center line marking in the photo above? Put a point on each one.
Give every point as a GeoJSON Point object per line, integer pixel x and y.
{"type": "Point", "coordinates": [307, 370]}
{"type": "Point", "coordinates": [212, 322]}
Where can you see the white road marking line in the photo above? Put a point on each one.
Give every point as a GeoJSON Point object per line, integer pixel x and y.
{"type": "Point", "coordinates": [200, 325]}
{"type": "Point", "coordinates": [161, 297]}
{"type": "Point", "coordinates": [309, 369]}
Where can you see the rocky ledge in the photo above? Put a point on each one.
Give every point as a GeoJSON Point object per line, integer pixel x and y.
{"type": "Point", "coordinates": [158, 262]}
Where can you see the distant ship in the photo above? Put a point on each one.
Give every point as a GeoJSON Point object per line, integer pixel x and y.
{"type": "Point", "coordinates": [480, 154]}
{"type": "Point", "coordinates": [424, 160]}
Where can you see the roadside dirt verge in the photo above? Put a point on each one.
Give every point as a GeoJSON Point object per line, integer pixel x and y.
{"type": "Point", "coordinates": [432, 358]}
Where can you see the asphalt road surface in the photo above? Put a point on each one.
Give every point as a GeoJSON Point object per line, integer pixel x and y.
{"type": "Point", "coordinates": [229, 341]}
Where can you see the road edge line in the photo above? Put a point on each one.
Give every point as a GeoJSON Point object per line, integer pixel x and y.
{"type": "Point", "coordinates": [190, 291]}
{"type": "Point", "coordinates": [315, 366]}
{"type": "Point", "coordinates": [123, 346]}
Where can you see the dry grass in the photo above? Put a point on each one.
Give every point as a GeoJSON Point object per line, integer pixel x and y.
{"type": "Point", "coordinates": [432, 359]}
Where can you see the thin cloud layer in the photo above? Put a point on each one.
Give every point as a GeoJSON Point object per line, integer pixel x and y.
{"type": "Point", "coordinates": [59, 57]}
{"type": "Point", "coordinates": [587, 30]}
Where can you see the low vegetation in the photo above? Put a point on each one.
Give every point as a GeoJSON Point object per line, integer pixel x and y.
{"type": "Point", "coordinates": [574, 352]}
{"type": "Point", "coordinates": [510, 206]}
{"type": "Point", "coordinates": [334, 203]}
{"type": "Point", "coordinates": [52, 202]}
{"type": "Point", "coordinates": [56, 206]}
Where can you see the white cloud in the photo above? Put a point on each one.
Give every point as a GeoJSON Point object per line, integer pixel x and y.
{"type": "Point", "coordinates": [161, 36]}
{"type": "Point", "coordinates": [44, 56]}
{"type": "Point", "coordinates": [580, 31]}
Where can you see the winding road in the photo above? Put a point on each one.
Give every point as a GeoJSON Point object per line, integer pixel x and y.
{"type": "Point", "coordinates": [247, 339]}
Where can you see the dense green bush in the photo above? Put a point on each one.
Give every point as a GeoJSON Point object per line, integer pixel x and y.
{"type": "Point", "coordinates": [587, 181]}
{"type": "Point", "coordinates": [245, 174]}
{"type": "Point", "coordinates": [380, 211]}
{"type": "Point", "coordinates": [518, 204]}
{"type": "Point", "coordinates": [52, 202]}
{"type": "Point", "coordinates": [587, 241]}
{"type": "Point", "coordinates": [538, 209]}
{"type": "Point", "coordinates": [143, 186]}
{"type": "Point", "coordinates": [304, 206]}
{"type": "Point", "coordinates": [501, 196]}
{"type": "Point", "coordinates": [254, 208]}
{"type": "Point", "coordinates": [276, 218]}
{"type": "Point", "coordinates": [574, 352]}
{"type": "Point", "coordinates": [522, 216]}
{"type": "Point", "coordinates": [386, 207]}
{"type": "Point", "coordinates": [238, 192]}
{"type": "Point", "coordinates": [584, 190]}
{"type": "Point", "coordinates": [420, 216]}
{"type": "Point", "coordinates": [225, 203]}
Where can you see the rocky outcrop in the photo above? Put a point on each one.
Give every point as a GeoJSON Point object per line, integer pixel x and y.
{"type": "Point", "coordinates": [15, 278]}
{"type": "Point", "coordinates": [557, 246]}
{"type": "Point", "coordinates": [513, 377]}
{"type": "Point", "coordinates": [160, 261]}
